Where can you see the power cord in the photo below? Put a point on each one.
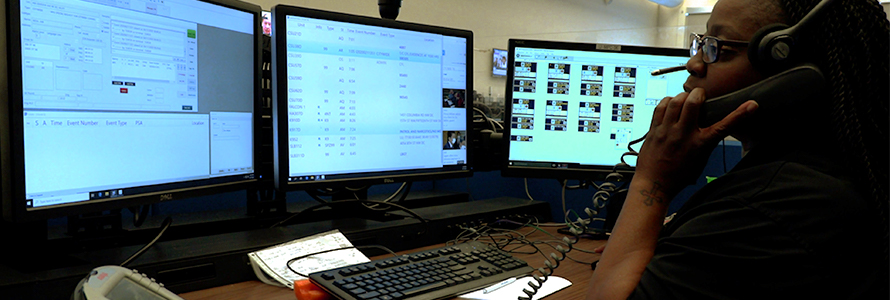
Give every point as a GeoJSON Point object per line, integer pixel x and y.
{"type": "Point", "coordinates": [332, 250]}
{"type": "Point", "coordinates": [315, 194]}
{"type": "Point", "coordinates": [406, 186]}
{"type": "Point", "coordinates": [164, 226]}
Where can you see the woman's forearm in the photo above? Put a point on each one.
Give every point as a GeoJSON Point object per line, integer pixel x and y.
{"type": "Point", "coordinates": [632, 243]}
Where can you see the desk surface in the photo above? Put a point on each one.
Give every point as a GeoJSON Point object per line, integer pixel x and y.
{"type": "Point", "coordinates": [577, 273]}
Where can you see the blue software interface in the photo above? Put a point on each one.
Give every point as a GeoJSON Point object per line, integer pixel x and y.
{"type": "Point", "coordinates": [583, 107]}
{"type": "Point", "coordinates": [119, 95]}
{"type": "Point", "coordinates": [372, 99]}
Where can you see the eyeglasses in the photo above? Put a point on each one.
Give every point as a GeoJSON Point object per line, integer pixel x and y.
{"type": "Point", "coordinates": [710, 46]}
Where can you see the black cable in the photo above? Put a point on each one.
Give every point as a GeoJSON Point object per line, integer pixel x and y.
{"type": "Point", "coordinates": [314, 195]}
{"type": "Point", "coordinates": [343, 202]}
{"type": "Point", "coordinates": [332, 250]}
{"type": "Point", "coordinates": [379, 247]}
{"type": "Point", "coordinates": [164, 226]}
{"type": "Point", "coordinates": [551, 263]}
{"type": "Point", "coordinates": [140, 213]}
{"type": "Point", "coordinates": [406, 188]}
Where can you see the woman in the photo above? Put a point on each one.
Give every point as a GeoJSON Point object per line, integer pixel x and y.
{"type": "Point", "coordinates": [804, 214]}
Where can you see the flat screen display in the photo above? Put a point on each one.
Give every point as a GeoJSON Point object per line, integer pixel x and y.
{"type": "Point", "coordinates": [360, 98]}
{"type": "Point", "coordinates": [499, 62]}
{"type": "Point", "coordinates": [125, 99]}
{"type": "Point", "coordinates": [574, 107]}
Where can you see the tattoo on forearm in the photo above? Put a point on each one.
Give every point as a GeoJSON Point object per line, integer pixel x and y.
{"type": "Point", "coordinates": [653, 195]}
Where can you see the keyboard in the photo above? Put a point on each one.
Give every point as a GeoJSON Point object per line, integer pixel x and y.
{"type": "Point", "coordinates": [440, 273]}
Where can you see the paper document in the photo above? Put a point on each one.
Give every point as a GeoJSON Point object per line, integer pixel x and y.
{"type": "Point", "coordinates": [514, 290]}
{"type": "Point", "coordinates": [270, 264]}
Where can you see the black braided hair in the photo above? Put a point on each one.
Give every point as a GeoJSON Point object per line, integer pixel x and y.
{"type": "Point", "coordinates": [850, 45]}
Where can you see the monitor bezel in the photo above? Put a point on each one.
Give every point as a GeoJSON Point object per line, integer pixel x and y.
{"type": "Point", "coordinates": [279, 111]}
{"type": "Point", "coordinates": [593, 172]}
{"type": "Point", "coordinates": [12, 164]}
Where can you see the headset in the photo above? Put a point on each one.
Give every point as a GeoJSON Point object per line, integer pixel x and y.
{"type": "Point", "coordinates": [771, 50]}
{"type": "Point", "coordinates": [774, 50]}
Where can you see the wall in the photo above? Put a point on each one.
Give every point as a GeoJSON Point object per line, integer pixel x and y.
{"type": "Point", "coordinates": [493, 22]}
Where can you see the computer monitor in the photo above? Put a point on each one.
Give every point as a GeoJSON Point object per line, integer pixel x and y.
{"type": "Point", "coordinates": [499, 62]}
{"type": "Point", "coordinates": [267, 23]}
{"type": "Point", "coordinates": [572, 108]}
{"type": "Point", "coordinates": [117, 104]}
{"type": "Point", "coordinates": [361, 100]}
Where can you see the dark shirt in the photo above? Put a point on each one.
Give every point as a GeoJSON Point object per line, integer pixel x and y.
{"type": "Point", "coordinates": [786, 223]}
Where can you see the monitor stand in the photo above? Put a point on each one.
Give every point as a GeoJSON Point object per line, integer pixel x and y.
{"type": "Point", "coordinates": [340, 209]}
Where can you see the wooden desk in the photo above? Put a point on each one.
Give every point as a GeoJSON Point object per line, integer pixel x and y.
{"type": "Point", "coordinates": [577, 273]}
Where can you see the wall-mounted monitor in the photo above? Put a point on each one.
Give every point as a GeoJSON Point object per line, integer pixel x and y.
{"type": "Point", "coordinates": [361, 100]}
{"type": "Point", "coordinates": [572, 108]}
{"type": "Point", "coordinates": [499, 62]}
{"type": "Point", "coordinates": [116, 104]}
{"type": "Point", "coordinates": [267, 23]}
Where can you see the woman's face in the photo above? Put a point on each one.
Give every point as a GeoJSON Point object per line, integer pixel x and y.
{"type": "Point", "coordinates": [733, 20]}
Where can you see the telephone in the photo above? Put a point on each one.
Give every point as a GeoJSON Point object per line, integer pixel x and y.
{"type": "Point", "coordinates": [114, 282]}
{"type": "Point", "coordinates": [774, 50]}
{"type": "Point", "coordinates": [775, 95]}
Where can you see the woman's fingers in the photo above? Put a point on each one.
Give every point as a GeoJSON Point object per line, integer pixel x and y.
{"type": "Point", "coordinates": [674, 108]}
{"type": "Point", "coordinates": [691, 108]}
{"type": "Point", "coordinates": [723, 128]}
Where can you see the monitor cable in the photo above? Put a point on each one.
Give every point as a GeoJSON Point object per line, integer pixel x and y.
{"type": "Point", "coordinates": [530, 199]}
{"type": "Point", "coordinates": [140, 213]}
{"type": "Point", "coordinates": [164, 226]}
{"type": "Point", "coordinates": [315, 195]}
{"type": "Point", "coordinates": [406, 187]}
{"type": "Point", "coordinates": [494, 124]}
{"type": "Point", "coordinates": [425, 222]}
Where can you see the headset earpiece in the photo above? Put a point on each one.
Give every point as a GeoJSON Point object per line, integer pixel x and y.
{"type": "Point", "coordinates": [771, 49]}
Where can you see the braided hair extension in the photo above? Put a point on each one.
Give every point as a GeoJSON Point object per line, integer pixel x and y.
{"type": "Point", "coordinates": [851, 47]}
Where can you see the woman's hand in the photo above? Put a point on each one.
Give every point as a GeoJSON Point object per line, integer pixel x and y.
{"type": "Point", "coordinates": [674, 153]}
{"type": "Point", "coordinates": [676, 149]}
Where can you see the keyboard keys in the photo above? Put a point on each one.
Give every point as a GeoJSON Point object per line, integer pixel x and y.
{"type": "Point", "coordinates": [423, 289]}
{"type": "Point", "coordinates": [438, 273]}
{"type": "Point", "coordinates": [368, 295]}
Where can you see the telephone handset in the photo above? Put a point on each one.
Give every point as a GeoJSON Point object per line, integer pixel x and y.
{"type": "Point", "coordinates": [776, 94]}
{"type": "Point", "coordinates": [773, 48]}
